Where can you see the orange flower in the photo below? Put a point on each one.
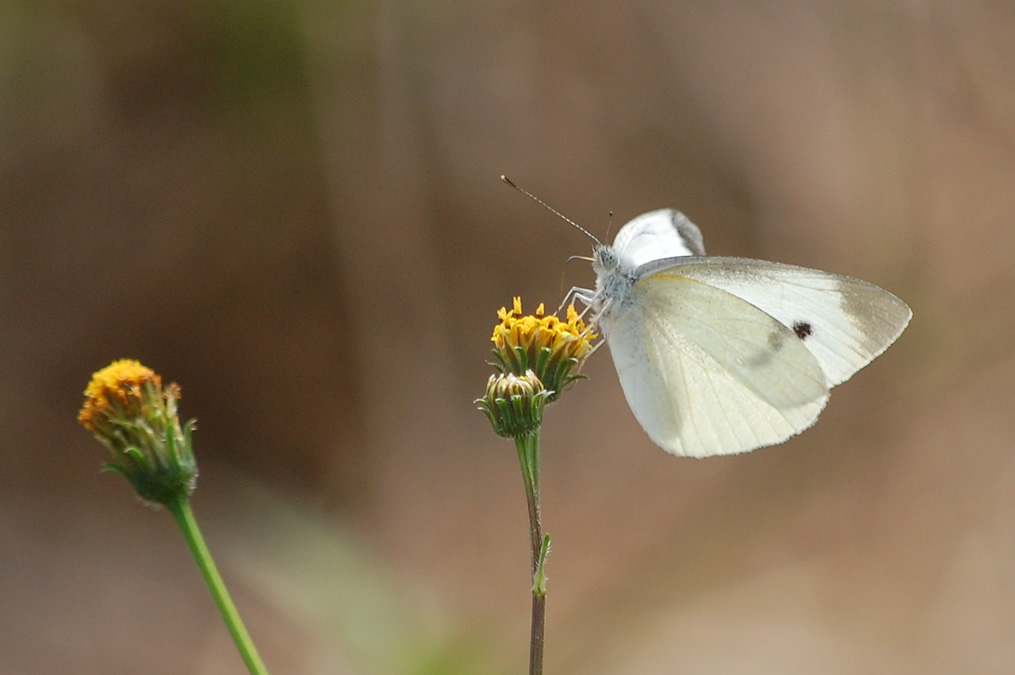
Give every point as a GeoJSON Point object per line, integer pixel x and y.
{"type": "Point", "coordinates": [131, 414]}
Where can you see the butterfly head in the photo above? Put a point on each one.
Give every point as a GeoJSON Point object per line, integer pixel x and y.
{"type": "Point", "coordinates": [604, 259]}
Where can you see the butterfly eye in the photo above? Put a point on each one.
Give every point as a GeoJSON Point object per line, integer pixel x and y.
{"type": "Point", "coordinates": [606, 257]}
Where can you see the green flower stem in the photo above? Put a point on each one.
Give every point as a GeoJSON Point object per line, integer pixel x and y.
{"type": "Point", "coordinates": [528, 457]}
{"type": "Point", "coordinates": [180, 508]}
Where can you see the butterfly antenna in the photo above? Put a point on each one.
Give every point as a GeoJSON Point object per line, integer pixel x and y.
{"type": "Point", "coordinates": [549, 208]}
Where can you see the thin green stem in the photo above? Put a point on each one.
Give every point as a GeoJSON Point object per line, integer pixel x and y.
{"type": "Point", "coordinates": [528, 457]}
{"type": "Point", "coordinates": [180, 508]}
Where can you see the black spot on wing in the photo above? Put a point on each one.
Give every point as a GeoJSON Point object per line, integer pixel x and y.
{"type": "Point", "coordinates": [803, 329]}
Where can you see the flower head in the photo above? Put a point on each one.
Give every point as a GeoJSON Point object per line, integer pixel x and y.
{"type": "Point", "coordinates": [130, 413]}
{"type": "Point", "coordinates": [554, 350]}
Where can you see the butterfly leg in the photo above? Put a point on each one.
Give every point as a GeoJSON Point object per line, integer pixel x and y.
{"type": "Point", "coordinates": [587, 297]}
{"type": "Point", "coordinates": [582, 295]}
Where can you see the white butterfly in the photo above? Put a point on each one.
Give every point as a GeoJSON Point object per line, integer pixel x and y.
{"type": "Point", "coordinates": [723, 355]}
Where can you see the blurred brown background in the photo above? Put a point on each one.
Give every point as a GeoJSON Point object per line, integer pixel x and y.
{"type": "Point", "coordinates": [293, 210]}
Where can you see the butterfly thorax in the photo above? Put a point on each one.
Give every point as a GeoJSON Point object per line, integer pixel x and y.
{"type": "Point", "coordinates": [614, 279]}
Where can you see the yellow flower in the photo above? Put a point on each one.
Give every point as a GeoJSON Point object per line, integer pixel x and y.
{"type": "Point", "coordinates": [130, 413]}
{"type": "Point", "coordinates": [553, 349]}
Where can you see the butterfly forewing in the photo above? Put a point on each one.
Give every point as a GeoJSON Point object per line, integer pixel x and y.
{"type": "Point", "coordinates": [844, 322]}
{"type": "Point", "coordinates": [707, 373]}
